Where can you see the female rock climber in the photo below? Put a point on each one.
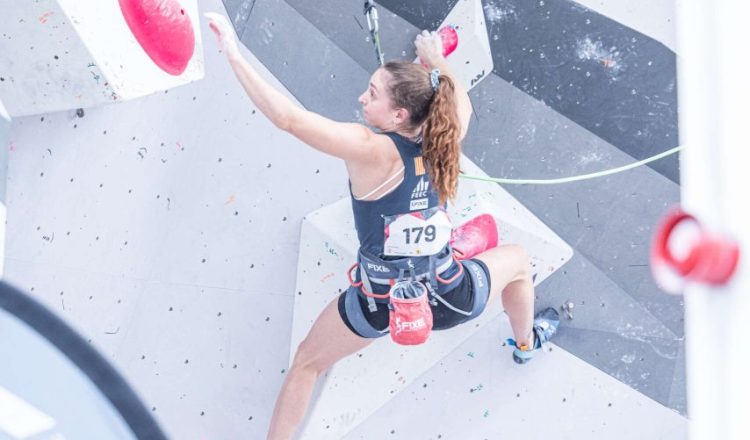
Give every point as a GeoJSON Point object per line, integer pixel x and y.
{"type": "Point", "coordinates": [402, 170]}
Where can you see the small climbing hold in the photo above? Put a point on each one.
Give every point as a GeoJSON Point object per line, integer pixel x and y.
{"type": "Point", "coordinates": [449, 38]}
{"type": "Point", "coordinates": [568, 307]}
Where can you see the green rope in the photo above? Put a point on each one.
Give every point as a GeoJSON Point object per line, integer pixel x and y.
{"type": "Point", "coordinates": [573, 178]}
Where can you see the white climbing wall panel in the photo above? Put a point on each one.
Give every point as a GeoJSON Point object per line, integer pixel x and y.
{"type": "Point", "coordinates": [69, 54]}
{"type": "Point", "coordinates": [4, 150]}
{"type": "Point", "coordinates": [471, 61]}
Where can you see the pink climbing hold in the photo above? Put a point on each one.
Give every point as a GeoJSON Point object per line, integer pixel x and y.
{"type": "Point", "coordinates": [475, 236]}
{"type": "Point", "coordinates": [164, 31]}
{"type": "Point", "coordinates": [449, 36]}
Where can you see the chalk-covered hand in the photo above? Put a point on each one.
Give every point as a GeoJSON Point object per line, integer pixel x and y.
{"type": "Point", "coordinates": [224, 32]}
{"type": "Point", "coordinates": [429, 48]}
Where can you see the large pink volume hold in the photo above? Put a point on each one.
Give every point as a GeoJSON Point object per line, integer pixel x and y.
{"type": "Point", "coordinates": [475, 236]}
{"type": "Point", "coordinates": [164, 31]}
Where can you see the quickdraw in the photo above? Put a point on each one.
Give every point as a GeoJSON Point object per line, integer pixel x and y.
{"type": "Point", "coordinates": [371, 13]}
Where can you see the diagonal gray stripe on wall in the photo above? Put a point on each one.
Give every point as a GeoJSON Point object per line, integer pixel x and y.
{"type": "Point", "coordinates": [608, 78]}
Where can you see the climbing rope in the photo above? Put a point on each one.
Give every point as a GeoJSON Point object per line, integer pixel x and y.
{"type": "Point", "coordinates": [573, 178]}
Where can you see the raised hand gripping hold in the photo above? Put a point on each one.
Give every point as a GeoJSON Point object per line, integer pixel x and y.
{"type": "Point", "coordinates": [429, 48]}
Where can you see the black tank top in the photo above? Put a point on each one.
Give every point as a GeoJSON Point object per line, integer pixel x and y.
{"type": "Point", "coordinates": [414, 193]}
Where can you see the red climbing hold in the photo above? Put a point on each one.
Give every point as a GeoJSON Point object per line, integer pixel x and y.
{"type": "Point", "coordinates": [475, 236]}
{"type": "Point", "coordinates": [164, 31]}
{"type": "Point", "coordinates": [683, 251]}
{"type": "Point", "coordinates": [449, 36]}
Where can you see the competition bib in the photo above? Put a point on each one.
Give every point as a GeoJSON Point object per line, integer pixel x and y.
{"type": "Point", "coordinates": [418, 233]}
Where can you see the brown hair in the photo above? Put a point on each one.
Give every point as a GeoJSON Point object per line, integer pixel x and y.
{"type": "Point", "coordinates": [411, 89]}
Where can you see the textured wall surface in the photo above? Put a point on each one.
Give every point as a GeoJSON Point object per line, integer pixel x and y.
{"type": "Point", "coordinates": [67, 54]}
{"type": "Point", "coordinates": [167, 228]}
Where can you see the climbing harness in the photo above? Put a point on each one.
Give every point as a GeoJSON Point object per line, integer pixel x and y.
{"type": "Point", "coordinates": [417, 251]}
{"type": "Point", "coordinates": [413, 286]}
{"type": "Point", "coordinates": [371, 13]}
{"type": "Point", "coordinates": [419, 248]}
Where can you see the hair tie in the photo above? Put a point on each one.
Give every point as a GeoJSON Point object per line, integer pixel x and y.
{"type": "Point", "coordinates": [435, 78]}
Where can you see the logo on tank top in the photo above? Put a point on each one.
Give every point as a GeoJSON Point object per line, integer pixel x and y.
{"type": "Point", "coordinates": [419, 166]}
{"type": "Point", "coordinates": [419, 195]}
{"type": "Point", "coordinates": [420, 190]}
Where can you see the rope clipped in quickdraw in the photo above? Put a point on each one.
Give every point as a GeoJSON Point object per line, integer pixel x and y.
{"type": "Point", "coordinates": [372, 23]}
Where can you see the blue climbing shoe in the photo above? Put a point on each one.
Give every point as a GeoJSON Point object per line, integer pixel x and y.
{"type": "Point", "coordinates": [545, 326]}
